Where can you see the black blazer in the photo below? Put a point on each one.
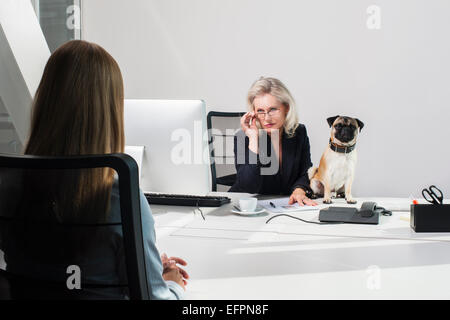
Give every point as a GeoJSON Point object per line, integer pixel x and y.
{"type": "Point", "coordinates": [293, 171]}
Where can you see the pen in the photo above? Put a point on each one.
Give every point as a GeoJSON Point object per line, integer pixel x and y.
{"type": "Point", "coordinates": [272, 205]}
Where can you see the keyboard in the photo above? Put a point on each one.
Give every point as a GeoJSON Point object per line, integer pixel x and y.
{"type": "Point", "coordinates": [186, 200]}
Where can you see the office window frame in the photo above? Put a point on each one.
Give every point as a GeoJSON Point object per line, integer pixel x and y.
{"type": "Point", "coordinates": [60, 20]}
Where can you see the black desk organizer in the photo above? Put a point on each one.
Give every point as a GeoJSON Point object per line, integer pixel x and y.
{"type": "Point", "coordinates": [430, 217]}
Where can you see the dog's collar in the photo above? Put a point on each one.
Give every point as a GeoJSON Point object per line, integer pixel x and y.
{"type": "Point", "coordinates": [341, 149]}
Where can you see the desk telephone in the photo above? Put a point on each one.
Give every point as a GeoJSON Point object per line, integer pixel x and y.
{"type": "Point", "coordinates": [369, 213]}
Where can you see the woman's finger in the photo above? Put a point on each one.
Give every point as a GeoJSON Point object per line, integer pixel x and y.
{"type": "Point", "coordinates": [245, 120]}
{"type": "Point", "coordinates": [300, 201]}
{"type": "Point", "coordinates": [310, 202]}
{"type": "Point", "coordinates": [291, 200]}
{"type": "Point", "coordinates": [184, 273]}
{"type": "Point", "coordinates": [254, 119]}
{"type": "Point", "coordinates": [179, 261]}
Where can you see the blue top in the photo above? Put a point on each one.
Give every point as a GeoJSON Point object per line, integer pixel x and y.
{"type": "Point", "coordinates": [293, 173]}
{"type": "Point", "coordinates": [158, 287]}
{"type": "Point", "coordinates": [106, 259]}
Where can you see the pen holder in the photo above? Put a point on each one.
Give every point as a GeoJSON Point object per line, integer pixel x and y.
{"type": "Point", "coordinates": [430, 217]}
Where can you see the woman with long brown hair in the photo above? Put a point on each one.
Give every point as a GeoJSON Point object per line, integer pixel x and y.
{"type": "Point", "coordinates": [78, 110]}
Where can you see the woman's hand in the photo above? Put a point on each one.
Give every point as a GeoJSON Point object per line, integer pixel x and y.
{"type": "Point", "coordinates": [174, 275]}
{"type": "Point", "coordinates": [299, 196]}
{"type": "Point", "coordinates": [171, 263]}
{"type": "Point", "coordinates": [251, 130]}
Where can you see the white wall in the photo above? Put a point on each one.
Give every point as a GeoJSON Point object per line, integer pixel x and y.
{"type": "Point", "coordinates": [395, 79]}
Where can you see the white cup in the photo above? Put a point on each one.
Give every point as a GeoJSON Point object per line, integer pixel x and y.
{"type": "Point", "coordinates": [248, 204]}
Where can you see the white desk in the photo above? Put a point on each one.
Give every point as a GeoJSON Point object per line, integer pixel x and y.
{"type": "Point", "coordinates": [236, 257]}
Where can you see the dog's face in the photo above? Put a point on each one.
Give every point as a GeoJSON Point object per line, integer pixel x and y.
{"type": "Point", "coordinates": [344, 130]}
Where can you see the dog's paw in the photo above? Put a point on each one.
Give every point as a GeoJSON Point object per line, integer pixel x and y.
{"type": "Point", "coordinates": [340, 195]}
{"type": "Point", "coordinates": [327, 201]}
{"type": "Point", "coordinates": [351, 201]}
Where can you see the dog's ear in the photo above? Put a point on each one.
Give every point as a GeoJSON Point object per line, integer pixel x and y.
{"type": "Point", "coordinates": [360, 124]}
{"type": "Point", "coordinates": [330, 120]}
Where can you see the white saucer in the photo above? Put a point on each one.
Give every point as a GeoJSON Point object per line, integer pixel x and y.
{"type": "Point", "coordinates": [249, 213]}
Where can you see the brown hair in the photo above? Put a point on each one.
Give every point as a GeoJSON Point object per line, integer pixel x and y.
{"type": "Point", "coordinates": [78, 110]}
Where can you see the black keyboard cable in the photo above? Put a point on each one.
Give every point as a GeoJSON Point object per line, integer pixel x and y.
{"type": "Point", "coordinates": [198, 208]}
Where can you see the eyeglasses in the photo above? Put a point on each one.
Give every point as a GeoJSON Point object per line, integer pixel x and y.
{"type": "Point", "coordinates": [272, 112]}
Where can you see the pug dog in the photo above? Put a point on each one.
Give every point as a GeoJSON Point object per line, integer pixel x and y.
{"type": "Point", "coordinates": [336, 169]}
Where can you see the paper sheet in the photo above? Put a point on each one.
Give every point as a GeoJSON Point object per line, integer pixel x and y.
{"type": "Point", "coordinates": [282, 205]}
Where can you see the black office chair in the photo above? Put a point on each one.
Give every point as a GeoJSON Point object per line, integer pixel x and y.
{"type": "Point", "coordinates": [28, 224]}
{"type": "Point", "coordinates": [222, 127]}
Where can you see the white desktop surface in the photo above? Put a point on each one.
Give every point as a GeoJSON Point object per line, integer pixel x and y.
{"type": "Point", "coordinates": [240, 257]}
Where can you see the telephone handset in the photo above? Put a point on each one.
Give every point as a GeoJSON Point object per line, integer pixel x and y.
{"type": "Point", "coordinates": [369, 208]}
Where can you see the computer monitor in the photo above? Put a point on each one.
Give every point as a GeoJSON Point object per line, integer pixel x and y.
{"type": "Point", "coordinates": [173, 134]}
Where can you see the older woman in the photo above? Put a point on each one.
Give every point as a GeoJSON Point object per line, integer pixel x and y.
{"type": "Point", "coordinates": [278, 145]}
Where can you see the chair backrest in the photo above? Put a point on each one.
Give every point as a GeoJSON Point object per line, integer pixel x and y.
{"type": "Point", "coordinates": [47, 257]}
{"type": "Point", "coordinates": [222, 126]}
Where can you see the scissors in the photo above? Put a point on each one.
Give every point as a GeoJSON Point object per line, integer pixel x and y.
{"type": "Point", "coordinates": [432, 196]}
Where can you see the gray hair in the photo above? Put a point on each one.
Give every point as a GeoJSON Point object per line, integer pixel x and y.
{"type": "Point", "coordinates": [277, 89]}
